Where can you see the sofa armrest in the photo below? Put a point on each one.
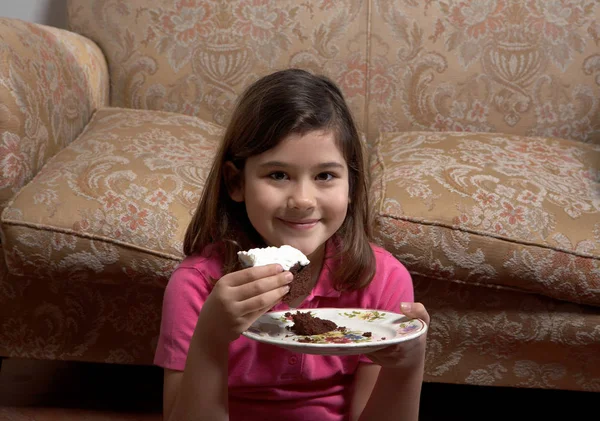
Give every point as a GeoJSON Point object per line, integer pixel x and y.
{"type": "Point", "coordinates": [51, 82]}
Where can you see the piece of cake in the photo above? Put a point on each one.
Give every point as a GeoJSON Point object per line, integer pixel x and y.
{"type": "Point", "coordinates": [290, 259]}
{"type": "Point", "coordinates": [306, 324]}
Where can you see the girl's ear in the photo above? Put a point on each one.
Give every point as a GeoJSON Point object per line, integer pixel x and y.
{"type": "Point", "coordinates": [234, 180]}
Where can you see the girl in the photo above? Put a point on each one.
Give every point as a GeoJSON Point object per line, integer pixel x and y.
{"type": "Point", "coordinates": [290, 170]}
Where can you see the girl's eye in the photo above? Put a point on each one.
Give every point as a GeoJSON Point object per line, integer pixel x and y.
{"type": "Point", "coordinates": [278, 176]}
{"type": "Point", "coordinates": [325, 176]}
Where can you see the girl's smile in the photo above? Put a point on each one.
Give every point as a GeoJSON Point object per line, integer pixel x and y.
{"type": "Point", "coordinates": [300, 225]}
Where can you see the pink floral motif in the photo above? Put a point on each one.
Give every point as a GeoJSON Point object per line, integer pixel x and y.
{"type": "Point", "coordinates": [188, 22]}
{"type": "Point", "coordinates": [353, 80]}
{"type": "Point", "coordinates": [539, 153]}
{"type": "Point", "coordinates": [545, 113]}
{"type": "Point", "coordinates": [553, 19]}
{"type": "Point", "coordinates": [159, 198]}
{"type": "Point", "coordinates": [513, 214]}
{"type": "Point", "coordinates": [135, 218]}
{"type": "Point", "coordinates": [14, 166]}
{"type": "Point", "coordinates": [259, 20]}
{"type": "Point", "coordinates": [486, 199]}
{"type": "Point", "coordinates": [478, 17]}
{"type": "Point", "coordinates": [110, 201]}
{"type": "Point", "coordinates": [381, 87]}
{"type": "Point", "coordinates": [478, 112]}
{"type": "Point", "coordinates": [529, 197]}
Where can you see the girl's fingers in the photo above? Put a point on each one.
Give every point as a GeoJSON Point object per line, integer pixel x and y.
{"type": "Point", "coordinates": [253, 316]}
{"type": "Point", "coordinates": [260, 286]}
{"type": "Point", "coordinates": [263, 301]}
{"type": "Point", "coordinates": [244, 276]}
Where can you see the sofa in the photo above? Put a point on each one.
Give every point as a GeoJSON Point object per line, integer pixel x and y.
{"type": "Point", "coordinates": [482, 123]}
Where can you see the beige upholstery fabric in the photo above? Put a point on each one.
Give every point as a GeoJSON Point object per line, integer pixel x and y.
{"type": "Point", "coordinates": [51, 81]}
{"type": "Point", "coordinates": [65, 319]}
{"type": "Point", "coordinates": [496, 337]}
{"type": "Point", "coordinates": [115, 202]}
{"type": "Point", "coordinates": [492, 209]}
{"type": "Point", "coordinates": [515, 67]}
{"type": "Point", "coordinates": [528, 68]}
{"type": "Point", "coordinates": [195, 57]}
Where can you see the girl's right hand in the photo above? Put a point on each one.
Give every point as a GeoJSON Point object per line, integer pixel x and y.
{"type": "Point", "coordinates": [239, 298]}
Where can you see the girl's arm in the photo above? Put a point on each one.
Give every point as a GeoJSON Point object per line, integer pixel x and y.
{"type": "Point", "coordinates": [397, 392]}
{"type": "Point", "coordinates": [236, 301]}
{"type": "Point", "coordinates": [200, 392]}
{"type": "Point", "coordinates": [364, 382]}
{"type": "Point", "coordinates": [396, 395]}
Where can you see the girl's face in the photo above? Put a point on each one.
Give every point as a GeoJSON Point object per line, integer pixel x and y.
{"type": "Point", "coordinates": [297, 193]}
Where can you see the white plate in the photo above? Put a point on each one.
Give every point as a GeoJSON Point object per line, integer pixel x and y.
{"type": "Point", "coordinates": [386, 329]}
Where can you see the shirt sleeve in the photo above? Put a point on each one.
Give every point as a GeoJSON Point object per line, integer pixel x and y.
{"type": "Point", "coordinates": [186, 292]}
{"type": "Point", "coordinates": [393, 284]}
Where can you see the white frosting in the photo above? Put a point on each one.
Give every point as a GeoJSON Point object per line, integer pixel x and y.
{"type": "Point", "coordinates": [286, 256]}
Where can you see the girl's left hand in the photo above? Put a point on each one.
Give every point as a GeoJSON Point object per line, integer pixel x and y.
{"type": "Point", "coordinates": [404, 354]}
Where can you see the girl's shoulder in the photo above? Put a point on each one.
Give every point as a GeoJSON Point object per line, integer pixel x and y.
{"type": "Point", "coordinates": [209, 263]}
{"type": "Point", "coordinates": [382, 256]}
{"type": "Point", "coordinates": [386, 263]}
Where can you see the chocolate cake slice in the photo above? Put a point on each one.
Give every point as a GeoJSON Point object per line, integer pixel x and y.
{"type": "Point", "coordinates": [306, 324]}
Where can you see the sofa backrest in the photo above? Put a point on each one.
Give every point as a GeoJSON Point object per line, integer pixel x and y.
{"type": "Point", "coordinates": [526, 67]}
{"type": "Point", "coordinates": [511, 66]}
{"type": "Point", "coordinates": [196, 57]}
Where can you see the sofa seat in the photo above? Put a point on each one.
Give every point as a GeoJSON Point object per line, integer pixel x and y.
{"type": "Point", "coordinates": [113, 206]}
{"type": "Point", "coordinates": [492, 210]}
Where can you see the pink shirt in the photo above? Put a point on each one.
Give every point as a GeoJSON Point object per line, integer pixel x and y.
{"type": "Point", "coordinates": [267, 382]}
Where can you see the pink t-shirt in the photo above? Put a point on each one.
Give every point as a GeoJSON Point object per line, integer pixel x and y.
{"type": "Point", "coordinates": [267, 382]}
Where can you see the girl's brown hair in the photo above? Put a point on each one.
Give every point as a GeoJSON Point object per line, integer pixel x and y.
{"type": "Point", "coordinates": [286, 102]}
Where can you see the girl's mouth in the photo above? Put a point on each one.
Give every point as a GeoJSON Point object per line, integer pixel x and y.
{"type": "Point", "coordinates": [300, 225]}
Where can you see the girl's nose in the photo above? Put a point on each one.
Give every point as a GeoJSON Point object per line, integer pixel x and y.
{"type": "Point", "coordinates": [302, 197]}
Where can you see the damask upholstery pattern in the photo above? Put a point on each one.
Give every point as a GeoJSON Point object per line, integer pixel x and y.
{"type": "Point", "coordinates": [497, 337]}
{"type": "Point", "coordinates": [66, 319]}
{"type": "Point", "coordinates": [195, 57]}
{"type": "Point", "coordinates": [51, 81]}
{"type": "Point", "coordinates": [492, 209]}
{"type": "Point", "coordinates": [511, 66]}
{"type": "Point", "coordinates": [115, 202]}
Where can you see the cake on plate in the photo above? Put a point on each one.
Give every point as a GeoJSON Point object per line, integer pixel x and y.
{"type": "Point", "coordinates": [306, 324]}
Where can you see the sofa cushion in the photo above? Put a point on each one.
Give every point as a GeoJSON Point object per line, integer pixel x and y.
{"type": "Point", "coordinates": [493, 210]}
{"type": "Point", "coordinates": [114, 205]}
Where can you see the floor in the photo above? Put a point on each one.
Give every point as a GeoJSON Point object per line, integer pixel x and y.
{"type": "Point", "coordinates": [60, 391]}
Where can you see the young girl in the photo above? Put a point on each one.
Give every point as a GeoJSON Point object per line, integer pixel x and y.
{"type": "Point", "coordinates": [290, 170]}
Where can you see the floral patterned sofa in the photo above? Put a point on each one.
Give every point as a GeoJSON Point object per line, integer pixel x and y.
{"type": "Point", "coordinates": [483, 124]}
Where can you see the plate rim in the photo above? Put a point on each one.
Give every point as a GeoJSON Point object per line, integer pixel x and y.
{"type": "Point", "coordinates": [332, 345]}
